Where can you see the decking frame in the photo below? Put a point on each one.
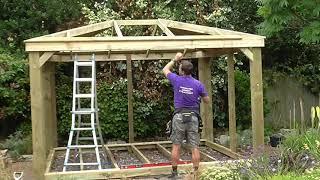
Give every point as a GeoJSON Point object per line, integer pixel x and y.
{"type": "Point", "coordinates": [118, 173]}
{"type": "Point", "coordinates": [198, 42]}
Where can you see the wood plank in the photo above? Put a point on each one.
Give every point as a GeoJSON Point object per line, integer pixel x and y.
{"type": "Point", "coordinates": [81, 159]}
{"type": "Point", "coordinates": [142, 45]}
{"type": "Point", "coordinates": [101, 56]}
{"type": "Point", "coordinates": [204, 29]}
{"type": "Point", "coordinates": [88, 29]}
{"type": "Point", "coordinates": [207, 156]}
{"type": "Point", "coordinates": [125, 173]}
{"type": "Point", "coordinates": [137, 22]}
{"type": "Point", "coordinates": [50, 97]}
{"type": "Point", "coordinates": [113, 160]}
{"type": "Point", "coordinates": [232, 104]}
{"type": "Point", "coordinates": [45, 57]}
{"type": "Point", "coordinates": [155, 27]}
{"type": "Point", "coordinates": [222, 150]}
{"type": "Point", "coordinates": [247, 52]}
{"type": "Point", "coordinates": [206, 109]}
{"type": "Point", "coordinates": [256, 87]}
{"type": "Point", "coordinates": [165, 29]}
{"type": "Point", "coordinates": [139, 154]}
{"type": "Point", "coordinates": [164, 151]}
{"type": "Point", "coordinates": [117, 29]}
{"type": "Point", "coordinates": [130, 98]}
{"type": "Point", "coordinates": [50, 160]}
{"type": "Point", "coordinates": [39, 110]}
{"type": "Point", "coordinates": [134, 38]}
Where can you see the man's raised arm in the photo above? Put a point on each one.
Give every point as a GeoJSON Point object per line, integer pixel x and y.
{"type": "Point", "coordinates": [167, 69]}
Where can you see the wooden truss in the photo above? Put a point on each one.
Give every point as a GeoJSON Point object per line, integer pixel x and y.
{"type": "Point", "coordinates": [195, 41]}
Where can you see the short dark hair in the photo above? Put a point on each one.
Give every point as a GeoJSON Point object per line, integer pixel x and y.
{"type": "Point", "coordinates": [186, 67]}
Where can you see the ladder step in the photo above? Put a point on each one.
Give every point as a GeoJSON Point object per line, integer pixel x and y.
{"type": "Point", "coordinates": [81, 129]}
{"type": "Point", "coordinates": [87, 124]}
{"type": "Point", "coordinates": [82, 146]}
{"type": "Point", "coordinates": [83, 63]}
{"type": "Point", "coordinates": [83, 95]}
{"type": "Point", "coordinates": [87, 138]}
{"type": "Point", "coordinates": [83, 79]}
{"type": "Point", "coordinates": [79, 164]}
{"type": "Point", "coordinates": [83, 111]}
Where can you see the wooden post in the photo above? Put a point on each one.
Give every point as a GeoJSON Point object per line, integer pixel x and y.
{"type": "Point", "coordinates": [206, 109]}
{"type": "Point", "coordinates": [130, 98]}
{"type": "Point", "coordinates": [256, 87]}
{"type": "Point", "coordinates": [231, 103]}
{"type": "Point", "coordinates": [43, 112]}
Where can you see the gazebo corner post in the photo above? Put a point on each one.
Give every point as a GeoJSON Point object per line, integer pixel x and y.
{"type": "Point", "coordinates": [231, 103]}
{"type": "Point", "coordinates": [43, 112]}
{"type": "Point", "coordinates": [206, 112]}
{"type": "Point", "coordinates": [256, 87]}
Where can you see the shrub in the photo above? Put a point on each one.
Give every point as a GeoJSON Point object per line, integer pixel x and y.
{"type": "Point", "coordinates": [14, 91]}
{"type": "Point", "coordinates": [18, 144]}
{"type": "Point", "coordinates": [218, 173]}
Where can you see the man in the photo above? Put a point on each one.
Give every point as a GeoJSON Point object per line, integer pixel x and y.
{"type": "Point", "coordinates": [185, 122]}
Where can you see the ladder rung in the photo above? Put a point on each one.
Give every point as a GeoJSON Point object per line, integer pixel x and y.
{"type": "Point", "coordinates": [82, 146]}
{"type": "Point", "coordinates": [84, 63]}
{"type": "Point", "coordinates": [87, 124]}
{"type": "Point", "coordinates": [82, 129]}
{"type": "Point", "coordinates": [87, 138]}
{"type": "Point", "coordinates": [83, 111]}
{"type": "Point", "coordinates": [83, 79]}
{"type": "Point", "coordinates": [79, 164]}
{"type": "Point", "coordinates": [83, 95]}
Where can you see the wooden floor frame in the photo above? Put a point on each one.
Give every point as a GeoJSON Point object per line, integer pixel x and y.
{"type": "Point", "coordinates": [116, 172]}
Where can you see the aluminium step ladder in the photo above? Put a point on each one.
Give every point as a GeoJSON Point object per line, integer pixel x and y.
{"type": "Point", "coordinates": [79, 113]}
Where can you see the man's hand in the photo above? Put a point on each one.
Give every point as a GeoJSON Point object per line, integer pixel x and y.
{"type": "Point", "coordinates": [178, 56]}
{"type": "Point", "coordinates": [166, 70]}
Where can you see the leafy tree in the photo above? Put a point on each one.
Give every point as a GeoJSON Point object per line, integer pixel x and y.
{"type": "Point", "coordinates": [22, 19]}
{"type": "Point", "coordinates": [301, 17]}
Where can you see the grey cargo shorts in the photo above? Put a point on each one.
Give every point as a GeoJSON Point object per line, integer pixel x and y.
{"type": "Point", "coordinates": [188, 130]}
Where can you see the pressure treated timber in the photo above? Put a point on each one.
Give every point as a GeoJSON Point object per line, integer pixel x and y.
{"type": "Point", "coordinates": [111, 157]}
{"type": "Point", "coordinates": [43, 112]}
{"type": "Point", "coordinates": [256, 87]}
{"type": "Point", "coordinates": [203, 29]}
{"type": "Point", "coordinates": [164, 29]}
{"type": "Point", "coordinates": [138, 22]}
{"type": "Point", "coordinates": [49, 160]}
{"type": "Point", "coordinates": [82, 30]}
{"type": "Point", "coordinates": [117, 29]}
{"type": "Point", "coordinates": [223, 150]}
{"type": "Point", "coordinates": [138, 153]}
{"type": "Point", "coordinates": [45, 57]}
{"type": "Point", "coordinates": [247, 52]}
{"type": "Point", "coordinates": [117, 56]}
{"type": "Point", "coordinates": [164, 151]}
{"type": "Point", "coordinates": [142, 43]}
{"type": "Point", "coordinates": [190, 27]}
{"type": "Point", "coordinates": [206, 108]}
{"type": "Point", "coordinates": [130, 98]}
{"type": "Point", "coordinates": [232, 104]}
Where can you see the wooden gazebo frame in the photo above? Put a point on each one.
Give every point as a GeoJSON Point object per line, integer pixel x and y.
{"type": "Point", "coordinates": [198, 42]}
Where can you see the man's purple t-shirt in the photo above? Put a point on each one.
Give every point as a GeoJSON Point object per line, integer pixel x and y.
{"type": "Point", "coordinates": [187, 91]}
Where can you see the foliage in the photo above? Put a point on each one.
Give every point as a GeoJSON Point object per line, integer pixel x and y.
{"type": "Point", "coordinates": [18, 144]}
{"type": "Point", "coordinates": [301, 17]}
{"type": "Point", "coordinates": [218, 173]}
{"type": "Point", "coordinates": [148, 115]}
{"type": "Point", "coordinates": [20, 20]}
{"type": "Point", "coordinates": [14, 89]}
{"type": "Point", "coordinates": [306, 142]}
